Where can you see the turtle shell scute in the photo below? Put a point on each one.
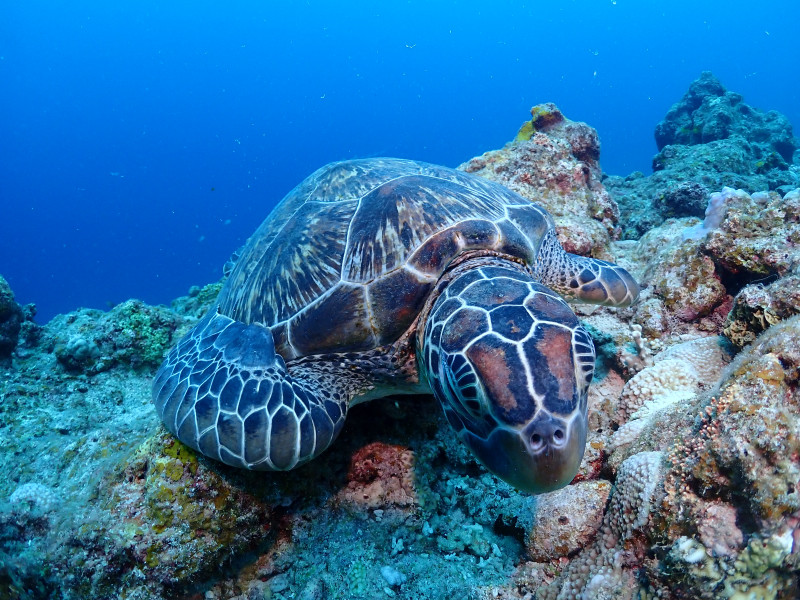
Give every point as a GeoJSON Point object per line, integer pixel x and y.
{"type": "Point", "coordinates": [347, 259]}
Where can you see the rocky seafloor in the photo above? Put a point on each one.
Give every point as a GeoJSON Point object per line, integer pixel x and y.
{"type": "Point", "coordinates": [689, 485]}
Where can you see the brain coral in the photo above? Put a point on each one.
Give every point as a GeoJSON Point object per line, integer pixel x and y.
{"type": "Point", "coordinates": [677, 374]}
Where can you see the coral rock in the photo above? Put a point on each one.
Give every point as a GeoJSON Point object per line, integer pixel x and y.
{"type": "Point", "coordinates": [708, 140]}
{"type": "Point", "coordinates": [554, 163]}
{"type": "Point", "coordinates": [11, 318]}
{"type": "Point", "coordinates": [757, 307]}
{"type": "Point", "coordinates": [607, 567]}
{"type": "Point", "coordinates": [679, 274]}
{"type": "Point", "coordinates": [760, 235]}
{"type": "Point", "coordinates": [708, 112]}
{"type": "Point", "coordinates": [566, 520]}
{"type": "Point", "coordinates": [381, 477]}
{"type": "Point", "coordinates": [131, 334]}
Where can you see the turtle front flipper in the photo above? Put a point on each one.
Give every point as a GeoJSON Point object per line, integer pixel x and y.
{"type": "Point", "coordinates": [224, 391]}
{"type": "Point", "coordinates": [582, 279]}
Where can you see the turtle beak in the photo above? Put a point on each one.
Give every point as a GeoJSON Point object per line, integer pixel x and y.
{"type": "Point", "coordinates": [542, 457]}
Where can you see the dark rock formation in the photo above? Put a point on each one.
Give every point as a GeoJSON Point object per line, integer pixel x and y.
{"type": "Point", "coordinates": [708, 140]}
{"type": "Point", "coordinates": [13, 317]}
{"type": "Point", "coordinates": [708, 112]}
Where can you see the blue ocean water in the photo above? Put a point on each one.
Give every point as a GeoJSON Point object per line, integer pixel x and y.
{"type": "Point", "coordinates": [142, 142]}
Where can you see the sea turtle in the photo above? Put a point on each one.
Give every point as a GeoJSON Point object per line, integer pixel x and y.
{"type": "Point", "coordinates": [386, 276]}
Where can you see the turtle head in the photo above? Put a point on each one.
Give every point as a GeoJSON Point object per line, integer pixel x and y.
{"type": "Point", "coordinates": [511, 366]}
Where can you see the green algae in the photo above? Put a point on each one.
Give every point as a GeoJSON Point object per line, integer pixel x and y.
{"type": "Point", "coordinates": [525, 132]}
{"type": "Point", "coordinates": [543, 117]}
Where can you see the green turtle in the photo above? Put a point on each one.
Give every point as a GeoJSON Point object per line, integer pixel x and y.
{"type": "Point", "coordinates": [386, 276]}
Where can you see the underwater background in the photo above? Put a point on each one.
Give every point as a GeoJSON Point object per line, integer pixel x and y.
{"type": "Point", "coordinates": [143, 142]}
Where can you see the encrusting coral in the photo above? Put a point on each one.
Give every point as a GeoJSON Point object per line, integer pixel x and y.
{"type": "Point", "coordinates": [688, 488]}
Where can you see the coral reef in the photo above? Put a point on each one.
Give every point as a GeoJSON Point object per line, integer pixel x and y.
{"type": "Point", "coordinates": [756, 307]}
{"type": "Point", "coordinates": [708, 140]}
{"type": "Point", "coordinates": [693, 279]}
{"type": "Point", "coordinates": [759, 236]}
{"type": "Point", "coordinates": [708, 112]}
{"type": "Point", "coordinates": [688, 487]}
{"type": "Point", "coordinates": [132, 333]}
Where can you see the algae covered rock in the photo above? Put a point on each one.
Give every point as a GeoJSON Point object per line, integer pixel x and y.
{"type": "Point", "coordinates": [713, 510]}
{"type": "Point", "coordinates": [759, 235]}
{"type": "Point", "coordinates": [681, 277]}
{"type": "Point", "coordinates": [554, 162]}
{"type": "Point", "coordinates": [757, 307]}
{"type": "Point", "coordinates": [693, 270]}
{"type": "Point", "coordinates": [132, 334]}
{"type": "Point", "coordinates": [744, 454]}
{"type": "Point", "coordinates": [708, 112]}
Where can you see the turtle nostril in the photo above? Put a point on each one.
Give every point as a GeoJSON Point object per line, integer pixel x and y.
{"type": "Point", "coordinates": [558, 435]}
{"type": "Point", "coordinates": [536, 441]}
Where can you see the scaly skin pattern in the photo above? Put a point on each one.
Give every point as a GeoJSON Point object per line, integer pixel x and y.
{"type": "Point", "coordinates": [581, 279]}
{"type": "Point", "coordinates": [511, 366]}
{"type": "Point", "coordinates": [224, 391]}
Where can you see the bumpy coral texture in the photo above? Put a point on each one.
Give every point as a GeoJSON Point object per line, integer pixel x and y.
{"type": "Point", "coordinates": [33, 498]}
{"type": "Point", "coordinates": [758, 306]}
{"type": "Point", "coordinates": [132, 333]}
{"type": "Point", "coordinates": [677, 373]}
{"type": "Point", "coordinates": [557, 168]}
{"type": "Point", "coordinates": [380, 477]}
{"type": "Point", "coordinates": [608, 566]}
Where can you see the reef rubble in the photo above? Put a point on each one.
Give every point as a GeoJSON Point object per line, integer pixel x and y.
{"type": "Point", "coordinates": [688, 488]}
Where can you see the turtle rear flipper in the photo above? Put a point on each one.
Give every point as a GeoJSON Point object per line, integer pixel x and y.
{"type": "Point", "coordinates": [225, 392]}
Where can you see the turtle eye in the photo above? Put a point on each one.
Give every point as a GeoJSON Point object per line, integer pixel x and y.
{"type": "Point", "coordinates": [461, 385]}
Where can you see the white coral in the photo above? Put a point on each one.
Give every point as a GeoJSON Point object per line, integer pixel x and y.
{"type": "Point", "coordinates": [715, 213]}
{"type": "Point", "coordinates": [33, 498]}
{"type": "Point", "coordinates": [677, 374]}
